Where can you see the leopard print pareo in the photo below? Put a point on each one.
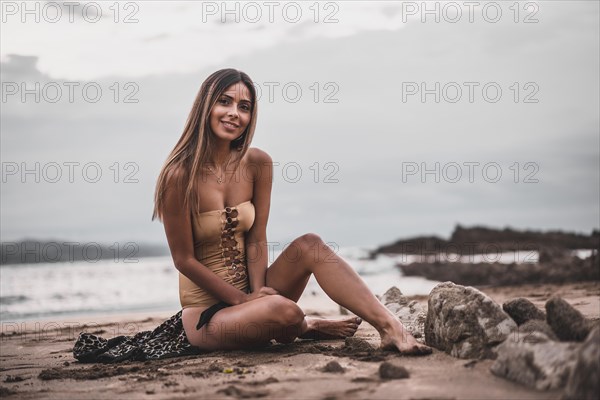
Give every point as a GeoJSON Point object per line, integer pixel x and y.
{"type": "Point", "coordinates": [167, 340]}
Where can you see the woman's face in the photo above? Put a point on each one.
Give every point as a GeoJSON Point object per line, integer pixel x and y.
{"type": "Point", "coordinates": [231, 114]}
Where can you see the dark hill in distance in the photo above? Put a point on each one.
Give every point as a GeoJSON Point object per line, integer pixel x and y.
{"type": "Point", "coordinates": [555, 263]}
{"type": "Point", "coordinates": [32, 251]}
{"type": "Point", "coordinates": [479, 240]}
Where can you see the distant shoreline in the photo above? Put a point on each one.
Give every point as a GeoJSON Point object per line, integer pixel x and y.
{"type": "Point", "coordinates": [31, 251]}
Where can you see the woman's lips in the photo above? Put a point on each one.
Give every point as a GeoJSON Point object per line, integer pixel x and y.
{"type": "Point", "coordinates": [230, 126]}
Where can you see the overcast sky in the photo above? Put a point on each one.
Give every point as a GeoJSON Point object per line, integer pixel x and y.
{"type": "Point", "coordinates": [499, 103]}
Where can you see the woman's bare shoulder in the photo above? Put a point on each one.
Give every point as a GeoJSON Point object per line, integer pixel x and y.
{"type": "Point", "coordinates": [258, 156]}
{"type": "Point", "coordinates": [262, 164]}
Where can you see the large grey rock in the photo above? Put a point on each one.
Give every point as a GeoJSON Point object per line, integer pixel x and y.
{"type": "Point", "coordinates": [523, 310]}
{"type": "Point", "coordinates": [568, 323]}
{"type": "Point", "coordinates": [410, 313]}
{"type": "Point", "coordinates": [543, 364]}
{"type": "Point", "coordinates": [584, 381]}
{"type": "Point", "coordinates": [464, 322]}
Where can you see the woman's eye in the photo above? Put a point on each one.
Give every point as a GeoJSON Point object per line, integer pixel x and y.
{"type": "Point", "coordinates": [223, 101]}
{"type": "Point", "coordinates": [245, 108]}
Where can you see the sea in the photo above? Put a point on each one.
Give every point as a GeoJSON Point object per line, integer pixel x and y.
{"type": "Point", "coordinates": [55, 290]}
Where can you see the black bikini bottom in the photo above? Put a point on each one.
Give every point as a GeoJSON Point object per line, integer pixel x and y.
{"type": "Point", "coordinates": [209, 312]}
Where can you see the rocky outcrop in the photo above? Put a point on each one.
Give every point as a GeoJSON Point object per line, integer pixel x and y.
{"type": "Point", "coordinates": [568, 323]}
{"type": "Point", "coordinates": [534, 357]}
{"type": "Point", "coordinates": [570, 269]}
{"type": "Point", "coordinates": [464, 322]}
{"type": "Point", "coordinates": [522, 310]}
{"type": "Point", "coordinates": [584, 380]}
{"type": "Point", "coordinates": [513, 239]}
{"type": "Point", "coordinates": [539, 350]}
{"type": "Point", "coordinates": [480, 240]}
{"type": "Point", "coordinates": [411, 313]}
{"type": "Point", "coordinates": [541, 363]}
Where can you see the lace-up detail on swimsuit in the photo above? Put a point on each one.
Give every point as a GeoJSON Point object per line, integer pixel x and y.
{"type": "Point", "coordinates": [236, 267]}
{"type": "Point", "coordinates": [219, 244]}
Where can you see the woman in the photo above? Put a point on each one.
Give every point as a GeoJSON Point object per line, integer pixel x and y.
{"type": "Point", "coordinates": [213, 196]}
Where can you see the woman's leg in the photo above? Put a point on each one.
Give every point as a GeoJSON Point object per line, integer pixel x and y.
{"type": "Point", "coordinates": [258, 321]}
{"type": "Point", "coordinates": [308, 255]}
{"type": "Point", "coordinates": [246, 325]}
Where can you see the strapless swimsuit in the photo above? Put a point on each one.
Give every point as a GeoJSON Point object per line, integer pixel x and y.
{"type": "Point", "coordinates": [219, 244]}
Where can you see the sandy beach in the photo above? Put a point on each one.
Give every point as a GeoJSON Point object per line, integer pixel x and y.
{"type": "Point", "coordinates": [37, 362]}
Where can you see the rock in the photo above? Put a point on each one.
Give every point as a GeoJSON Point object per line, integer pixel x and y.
{"type": "Point", "coordinates": [464, 322]}
{"type": "Point", "coordinates": [523, 310]}
{"type": "Point", "coordinates": [549, 254]}
{"type": "Point", "coordinates": [410, 313]}
{"type": "Point", "coordinates": [584, 381]}
{"type": "Point", "coordinates": [527, 330]}
{"type": "Point", "coordinates": [394, 295]}
{"type": "Point", "coordinates": [333, 366]}
{"type": "Point", "coordinates": [568, 323]}
{"type": "Point", "coordinates": [388, 370]}
{"type": "Point", "coordinates": [358, 344]}
{"type": "Point", "coordinates": [543, 365]}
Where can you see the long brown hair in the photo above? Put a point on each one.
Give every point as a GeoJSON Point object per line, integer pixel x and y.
{"type": "Point", "coordinates": [196, 144]}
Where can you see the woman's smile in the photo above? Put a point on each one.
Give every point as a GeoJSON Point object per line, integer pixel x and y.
{"type": "Point", "coordinates": [229, 125]}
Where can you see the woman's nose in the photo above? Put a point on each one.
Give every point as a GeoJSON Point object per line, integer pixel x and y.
{"type": "Point", "coordinates": [232, 112]}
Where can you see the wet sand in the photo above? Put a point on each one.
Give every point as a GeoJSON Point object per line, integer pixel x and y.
{"type": "Point", "coordinates": [36, 361]}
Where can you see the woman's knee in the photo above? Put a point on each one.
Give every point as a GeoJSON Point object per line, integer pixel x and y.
{"type": "Point", "coordinates": [285, 311]}
{"type": "Point", "coordinates": [308, 245]}
{"type": "Point", "coordinates": [288, 317]}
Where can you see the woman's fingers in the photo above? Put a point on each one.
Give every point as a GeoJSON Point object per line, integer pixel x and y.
{"type": "Point", "coordinates": [270, 290]}
{"type": "Point", "coordinates": [264, 291]}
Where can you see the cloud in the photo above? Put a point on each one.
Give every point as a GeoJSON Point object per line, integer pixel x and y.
{"type": "Point", "coordinates": [20, 68]}
{"type": "Point", "coordinates": [368, 133]}
{"type": "Point", "coordinates": [189, 37]}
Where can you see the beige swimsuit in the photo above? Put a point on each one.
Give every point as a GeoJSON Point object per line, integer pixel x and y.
{"type": "Point", "coordinates": [220, 246]}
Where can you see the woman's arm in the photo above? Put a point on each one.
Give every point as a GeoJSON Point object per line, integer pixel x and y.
{"type": "Point", "coordinates": [178, 228]}
{"type": "Point", "coordinates": [257, 256]}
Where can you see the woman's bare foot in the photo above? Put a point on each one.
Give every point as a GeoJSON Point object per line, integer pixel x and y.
{"type": "Point", "coordinates": [323, 329]}
{"type": "Point", "coordinates": [399, 338]}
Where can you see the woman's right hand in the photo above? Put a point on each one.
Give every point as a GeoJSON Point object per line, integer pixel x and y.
{"type": "Point", "coordinates": [262, 292]}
